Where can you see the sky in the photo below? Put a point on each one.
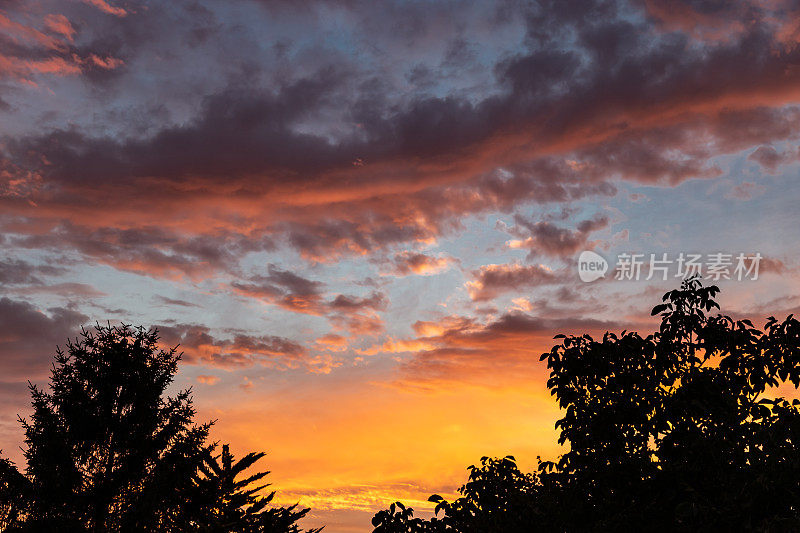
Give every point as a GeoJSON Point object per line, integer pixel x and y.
{"type": "Point", "coordinates": [362, 221]}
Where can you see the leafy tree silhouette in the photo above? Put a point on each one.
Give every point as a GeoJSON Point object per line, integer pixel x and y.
{"type": "Point", "coordinates": [496, 497]}
{"type": "Point", "coordinates": [107, 450]}
{"type": "Point", "coordinates": [677, 431]}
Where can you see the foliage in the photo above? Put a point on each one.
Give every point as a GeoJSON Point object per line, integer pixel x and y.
{"type": "Point", "coordinates": [233, 504]}
{"type": "Point", "coordinates": [400, 519]}
{"type": "Point", "coordinates": [107, 450]}
{"type": "Point", "coordinates": [14, 492]}
{"type": "Point", "coordinates": [677, 431]}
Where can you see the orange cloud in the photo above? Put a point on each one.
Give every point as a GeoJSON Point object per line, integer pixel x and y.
{"type": "Point", "coordinates": [61, 25]}
{"type": "Point", "coordinates": [105, 7]}
{"type": "Point", "coordinates": [418, 263]}
{"type": "Point", "coordinates": [207, 380]}
{"type": "Point", "coordinates": [332, 342]}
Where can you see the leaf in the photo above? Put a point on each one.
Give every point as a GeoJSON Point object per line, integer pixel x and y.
{"type": "Point", "coordinates": [658, 309]}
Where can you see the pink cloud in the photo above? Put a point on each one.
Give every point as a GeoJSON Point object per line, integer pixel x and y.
{"type": "Point", "coordinates": [105, 7]}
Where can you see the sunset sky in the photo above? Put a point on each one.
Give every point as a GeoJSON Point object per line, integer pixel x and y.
{"type": "Point", "coordinates": [361, 220]}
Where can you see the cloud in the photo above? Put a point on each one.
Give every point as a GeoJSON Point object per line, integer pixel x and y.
{"type": "Point", "coordinates": [546, 238]}
{"type": "Point", "coordinates": [67, 289]}
{"type": "Point", "coordinates": [407, 262]}
{"type": "Point", "coordinates": [144, 250]}
{"type": "Point", "coordinates": [626, 100]}
{"type": "Point", "coordinates": [357, 315]}
{"type": "Point", "coordinates": [43, 47]}
{"type": "Point", "coordinates": [351, 304]}
{"type": "Point", "coordinates": [207, 380]}
{"type": "Point", "coordinates": [638, 197]}
{"type": "Point", "coordinates": [172, 301]}
{"type": "Point", "coordinates": [746, 190]}
{"type": "Point", "coordinates": [29, 336]}
{"type": "Point", "coordinates": [493, 280]}
{"type": "Point", "coordinates": [61, 25]}
{"type": "Point", "coordinates": [359, 324]}
{"type": "Point", "coordinates": [458, 348]}
{"type": "Point", "coordinates": [773, 265]}
{"type": "Point", "coordinates": [332, 342]}
{"type": "Point", "coordinates": [770, 159]}
{"type": "Point", "coordinates": [105, 7]}
{"type": "Point", "coordinates": [201, 347]}
{"type": "Point", "coordinates": [285, 289]}
{"type": "Point", "coordinates": [19, 272]}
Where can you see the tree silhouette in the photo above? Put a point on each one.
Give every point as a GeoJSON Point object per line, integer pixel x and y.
{"type": "Point", "coordinates": [497, 497]}
{"type": "Point", "coordinates": [677, 431]}
{"type": "Point", "coordinates": [236, 505]}
{"type": "Point", "coordinates": [107, 450]}
{"type": "Point", "coordinates": [14, 495]}
{"type": "Point", "coordinates": [400, 519]}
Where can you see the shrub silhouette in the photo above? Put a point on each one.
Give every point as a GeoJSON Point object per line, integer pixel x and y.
{"type": "Point", "coordinates": [676, 431]}
{"type": "Point", "coordinates": [107, 450]}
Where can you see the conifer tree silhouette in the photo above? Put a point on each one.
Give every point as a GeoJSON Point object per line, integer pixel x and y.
{"type": "Point", "coordinates": [108, 451]}
{"type": "Point", "coordinates": [237, 504]}
{"type": "Point", "coordinates": [14, 495]}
